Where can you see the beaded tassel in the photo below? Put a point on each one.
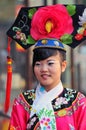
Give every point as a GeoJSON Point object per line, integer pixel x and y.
{"type": "Point", "coordinates": [9, 78]}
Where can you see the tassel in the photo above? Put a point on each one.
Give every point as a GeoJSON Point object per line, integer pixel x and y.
{"type": "Point", "coordinates": [9, 78]}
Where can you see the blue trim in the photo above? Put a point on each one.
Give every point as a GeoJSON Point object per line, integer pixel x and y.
{"type": "Point", "coordinates": [49, 43]}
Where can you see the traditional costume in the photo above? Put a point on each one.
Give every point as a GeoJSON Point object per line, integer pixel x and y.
{"type": "Point", "coordinates": [60, 108]}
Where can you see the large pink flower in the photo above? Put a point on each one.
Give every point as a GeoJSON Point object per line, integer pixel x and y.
{"type": "Point", "coordinates": [57, 19]}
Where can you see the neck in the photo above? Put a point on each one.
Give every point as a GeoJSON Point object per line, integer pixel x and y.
{"type": "Point", "coordinates": [50, 87]}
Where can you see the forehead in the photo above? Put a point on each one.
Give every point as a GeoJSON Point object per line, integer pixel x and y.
{"type": "Point", "coordinates": [52, 58]}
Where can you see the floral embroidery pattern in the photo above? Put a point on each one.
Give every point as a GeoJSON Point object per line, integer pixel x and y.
{"type": "Point", "coordinates": [33, 120]}
{"type": "Point", "coordinates": [29, 94]}
{"type": "Point", "coordinates": [24, 104]}
{"type": "Point", "coordinates": [45, 121]}
{"type": "Point", "coordinates": [60, 101]}
{"type": "Point", "coordinates": [29, 97]}
{"type": "Point", "coordinates": [19, 35]}
{"type": "Point", "coordinates": [62, 112]}
{"type": "Point", "coordinates": [62, 104]}
{"type": "Point", "coordinates": [80, 101]}
{"type": "Point", "coordinates": [69, 94]}
{"type": "Point", "coordinates": [81, 32]}
{"type": "Point", "coordinates": [31, 123]}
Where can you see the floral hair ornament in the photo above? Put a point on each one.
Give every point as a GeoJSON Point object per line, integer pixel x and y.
{"type": "Point", "coordinates": [66, 23]}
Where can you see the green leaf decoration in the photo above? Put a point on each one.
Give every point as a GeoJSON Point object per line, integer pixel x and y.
{"type": "Point", "coordinates": [30, 40]}
{"type": "Point", "coordinates": [16, 29]}
{"type": "Point", "coordinates": [71, 9]}
{"type": "Point", "coordinates": [66, 39]}
{"type": "Point", "coordinates": [31, 12]}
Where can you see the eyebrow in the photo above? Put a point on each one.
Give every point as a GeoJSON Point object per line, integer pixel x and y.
{"type": "Point", "coordinates": [50, 60]}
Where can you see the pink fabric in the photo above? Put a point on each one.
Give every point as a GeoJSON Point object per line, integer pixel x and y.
{"type": "Point", "coordinates": [19, 117]}
{"type": "Point", "coordinates": [76, 121]}
{"type": "Point", "coordinates": [66, 119]}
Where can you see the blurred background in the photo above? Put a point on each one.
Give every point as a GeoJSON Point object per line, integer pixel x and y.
{"type": "Point", "coordinates": [74, 77]}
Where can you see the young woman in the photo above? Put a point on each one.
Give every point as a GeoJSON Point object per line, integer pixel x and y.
{"type": "Point", "coordinates": [49, 106]}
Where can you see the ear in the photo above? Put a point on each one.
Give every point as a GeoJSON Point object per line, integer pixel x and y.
{"type": "Point", "coordinates": [64, 65]}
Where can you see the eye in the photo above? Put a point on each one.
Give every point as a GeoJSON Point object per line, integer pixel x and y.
{"type": "Point", "coordinates": [50, 63]}
{"type": "Point", "coordinates": [37, 63]}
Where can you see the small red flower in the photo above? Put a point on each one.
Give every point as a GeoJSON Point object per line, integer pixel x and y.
{"type": "Point", "coordinates": [78, 36]}
{"type": "Point", "coordinates": [18, 36]}
{"type": "Point", "coordinates": [18, 32]}
{"type": "Point", "coordinates": [84, 32]}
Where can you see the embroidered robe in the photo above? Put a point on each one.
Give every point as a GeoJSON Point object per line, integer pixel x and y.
{"type": "Point", "coordinates": [69, 109]}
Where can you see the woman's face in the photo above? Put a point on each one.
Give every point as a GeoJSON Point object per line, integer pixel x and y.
{"type": "Point", "coordinates": [48, 71]}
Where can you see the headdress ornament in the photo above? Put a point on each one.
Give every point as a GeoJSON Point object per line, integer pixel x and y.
{"type": "Point", "coordinates": [66, 23]}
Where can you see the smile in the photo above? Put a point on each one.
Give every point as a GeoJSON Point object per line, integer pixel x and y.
{"type": "Point", "coordinates": [45, 76]}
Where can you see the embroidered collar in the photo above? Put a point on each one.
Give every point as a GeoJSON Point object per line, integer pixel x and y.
{"type": "Point", "coordinates": [42, 103]}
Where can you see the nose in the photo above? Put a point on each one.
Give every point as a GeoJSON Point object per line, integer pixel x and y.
{"type": "Point", "coordinates": [43, 68]}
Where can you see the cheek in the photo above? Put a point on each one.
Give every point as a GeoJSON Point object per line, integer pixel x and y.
{"type": "Point", "coordinates": [36, 71]}
{"type": "Point", "coordinates": [56, 70]}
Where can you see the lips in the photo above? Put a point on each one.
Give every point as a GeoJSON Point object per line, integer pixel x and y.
{"type": "Point", "coordinates": [45, 76]}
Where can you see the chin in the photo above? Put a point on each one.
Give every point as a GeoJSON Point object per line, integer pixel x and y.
{"type": "Point", "coordinates": [44, 84]}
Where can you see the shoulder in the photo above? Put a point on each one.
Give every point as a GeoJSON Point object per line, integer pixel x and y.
{"type": "Point", "coordinates": [25, 99]}
{"type": "Point", "coordinates": [73, 93]}
{"type": "Point", "coordinates": [70, 93]}
{"type": "Point", "coordinates": [28, 96]}
{"type": "Point", "coordinates": [75, 96]}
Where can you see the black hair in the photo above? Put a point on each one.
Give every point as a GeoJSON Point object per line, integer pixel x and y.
{"type": "Point", "coordinates": [44, 53]}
